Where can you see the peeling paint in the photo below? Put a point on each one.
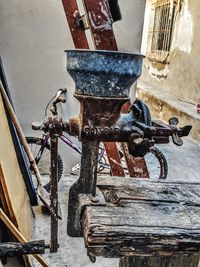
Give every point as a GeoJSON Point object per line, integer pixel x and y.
{"type": "Point", "coordinates": [179, 72]}
{"type": "Point", "coordinates": [103, 27]}
{"type": "Point", "coordinates": [184, 32]}
{"type": "Point", "coordinates": [105, 23]}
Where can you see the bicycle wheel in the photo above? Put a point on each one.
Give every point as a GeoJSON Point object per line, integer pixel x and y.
{"type": "Point", "coordinates": [43, 159]}
{"type": "Point", "coordinates": [156, 164]}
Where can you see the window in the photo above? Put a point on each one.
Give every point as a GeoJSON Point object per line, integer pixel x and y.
{"type": "Point", "coordinates": [164, 11]}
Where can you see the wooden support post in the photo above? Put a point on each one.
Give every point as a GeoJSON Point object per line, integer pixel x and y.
{"type": "Point", "coordinates": [175, 261]}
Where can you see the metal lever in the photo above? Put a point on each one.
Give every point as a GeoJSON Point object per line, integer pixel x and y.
{"type": "Point", "coordinates": [177, 133]}
{"type": "Point", "coordinates": [176, 139]}
{"type": "Point", "coordinates": [54, 192]}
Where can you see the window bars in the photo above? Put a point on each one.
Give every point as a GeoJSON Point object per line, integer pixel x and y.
{"type": "Point", "coordinates": [163, 25]}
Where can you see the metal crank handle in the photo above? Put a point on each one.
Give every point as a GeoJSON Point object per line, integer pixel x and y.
{"type": "Point", "coordinates": [180, 132]}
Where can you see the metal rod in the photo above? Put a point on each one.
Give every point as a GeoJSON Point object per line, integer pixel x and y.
{"type": "Point", "coordinates": [54, 193]}
{"type": "Point", "coordinates": [89, 160]}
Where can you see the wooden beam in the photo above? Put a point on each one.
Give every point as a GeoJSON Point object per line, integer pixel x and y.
{"type": "Point", "coordinates": [144, 218]}
{"type": "Point", "coordinates": [184, 261]}
{"type": "Point", "coordinates": [12, 249]}
{"type": "Point", "coordinates": [72, 14]}
{"type": "Point", "coordinates": [19, 236]}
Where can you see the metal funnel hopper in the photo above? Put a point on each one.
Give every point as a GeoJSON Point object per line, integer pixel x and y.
{"type": "Point", "coordinates": [103, 73]}
{"type": "Point", "coordinates": [103, 80]}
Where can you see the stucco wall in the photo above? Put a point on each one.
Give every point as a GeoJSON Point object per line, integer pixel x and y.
{"type": "Point", "coordinates": [33, 37]}
{"type": "Point", "coordinates": [181, 75]}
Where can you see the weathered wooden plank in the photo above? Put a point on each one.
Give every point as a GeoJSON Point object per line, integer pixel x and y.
{"type": "Point", "coordinates": [100, 19]}
{"type": "Point", "coordinates": [144, 218]}
{"type": "Point", "coordinates": [19, 236]}
{"type": "Point", "coordinates": [120, 191]}
{"type": "Point", "coordinates": [184, 261]}
{"type": "Point", "coordinates": [12, 249]}
{"type": "Point", "coordinates": [142, 229]}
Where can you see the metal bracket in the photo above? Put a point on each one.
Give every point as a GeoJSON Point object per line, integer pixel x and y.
{"type": "Point", "coordinates": [81, 21]}
{"type": "Point", "coordinates": [85, 200]}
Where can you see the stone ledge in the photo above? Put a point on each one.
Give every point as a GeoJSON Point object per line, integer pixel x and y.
{"type": "Point", "coordinates": [164, 105]}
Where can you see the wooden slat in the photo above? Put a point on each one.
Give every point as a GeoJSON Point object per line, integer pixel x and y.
{"type": "Point", "coordinates": [114, 159]}
{"type": "Point", "coordinates": [78, 35]}
{"type": "Point", "coordinates": [136, 166]}
{"type": "Point", "coordinates": [117, 191]}
{"type": "Point", "coordinates": [152, 218]}
{"type": "Point", "coordinates": [100, 19]}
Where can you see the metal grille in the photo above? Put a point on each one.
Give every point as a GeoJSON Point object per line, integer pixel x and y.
{"type": "Point", "coordinates": [163, 25]}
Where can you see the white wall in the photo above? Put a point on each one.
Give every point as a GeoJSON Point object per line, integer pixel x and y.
{"type": "Point", "coordinates": [33, 37]}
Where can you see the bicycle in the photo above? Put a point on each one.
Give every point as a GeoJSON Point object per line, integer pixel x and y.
{"type": "Point", "coordinates": [156, 162]}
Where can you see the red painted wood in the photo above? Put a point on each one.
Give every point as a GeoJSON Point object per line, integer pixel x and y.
{"type": "Point", "coordinates": [136, 166]}
{"type": "Point", "coordinates": [78, 35]}
{"type": "Point", "coordinates": [114, 159]}
{"type": "Point", "coordinates": [99, 16]}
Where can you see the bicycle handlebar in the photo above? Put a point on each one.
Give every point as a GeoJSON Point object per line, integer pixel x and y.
{"type": "Point", "coordinates": [58, 99]}
{"type": "Point", "coordinates": [58, 95]}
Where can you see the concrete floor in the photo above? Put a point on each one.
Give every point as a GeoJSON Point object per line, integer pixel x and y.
{"type": "Point", "coordinates": [184, 164]}
{"type": "Point", "coordinates": [72, 252]}
{"type": "Point", "coordinates": [183, 161]}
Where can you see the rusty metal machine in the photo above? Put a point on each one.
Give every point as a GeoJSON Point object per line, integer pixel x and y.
{"type": "Point", "coordinates": [120, 216]}
{"type": "Point", "coordinates": [103, 80]}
